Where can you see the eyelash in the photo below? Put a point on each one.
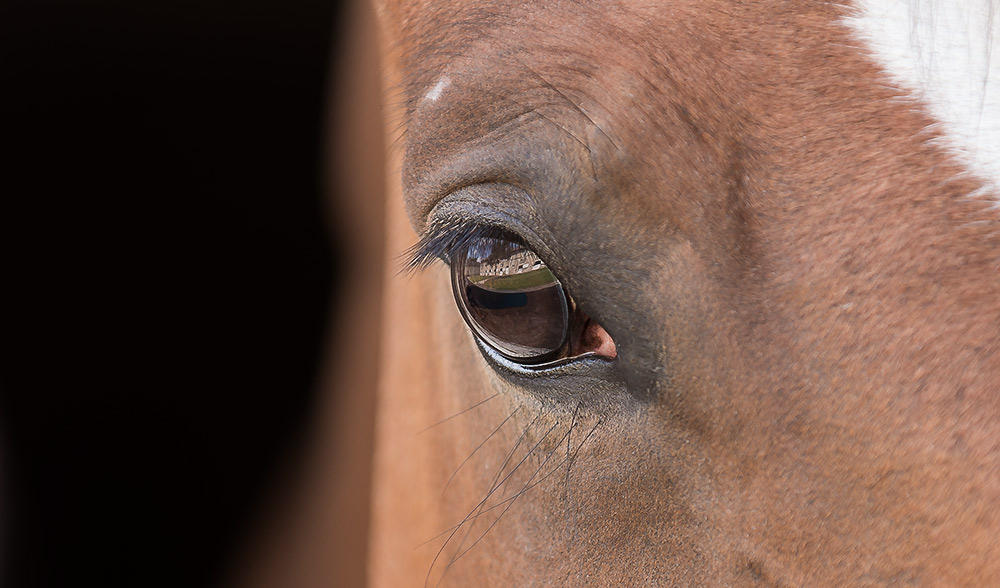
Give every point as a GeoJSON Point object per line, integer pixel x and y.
{"type": "Point", "coordinates": [443, 238]}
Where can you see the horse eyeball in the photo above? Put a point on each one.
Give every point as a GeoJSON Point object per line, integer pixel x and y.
{"type": "Point", "coordinates": [510, 298]}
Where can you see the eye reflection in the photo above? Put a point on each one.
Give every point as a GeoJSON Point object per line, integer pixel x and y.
{"type": "Point", "coordinates": [510, 298]}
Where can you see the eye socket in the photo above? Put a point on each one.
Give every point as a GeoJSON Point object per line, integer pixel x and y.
{"type": "Point", "coordinates": [510, 298]}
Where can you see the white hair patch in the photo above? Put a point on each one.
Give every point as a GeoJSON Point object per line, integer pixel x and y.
{"type": "Point", "coordinates": [942, 53]}
{"type": "Point", "coordinates": [435, 92]}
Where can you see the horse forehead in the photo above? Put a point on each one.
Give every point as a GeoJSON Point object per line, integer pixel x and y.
{"type": "Point", "coordinates": [565, 44]}
{"type": "Point", "coordinates": [604, 76]}
{"type": "Point", "coordinates": [622, 66]}
{"type": "Point", "coordinates": [664, 84]}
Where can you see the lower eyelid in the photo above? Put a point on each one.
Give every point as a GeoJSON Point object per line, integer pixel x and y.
{"type": "Point", "coordinates": [584, 383]}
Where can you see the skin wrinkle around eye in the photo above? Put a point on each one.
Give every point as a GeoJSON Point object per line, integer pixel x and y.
{"type": "Point", "coordinates": [494, 158]}
{"type": "Point", "coordinates": [537, 147]}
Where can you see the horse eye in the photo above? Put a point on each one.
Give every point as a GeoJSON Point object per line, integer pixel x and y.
{"type": "Point", "coordinates": [510, 299]}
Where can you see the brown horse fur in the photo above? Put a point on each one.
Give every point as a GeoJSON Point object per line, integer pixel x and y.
{"type": "Point", "coordinates": [804, 298]}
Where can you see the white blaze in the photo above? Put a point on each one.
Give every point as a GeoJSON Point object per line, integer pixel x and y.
{"type": "Point", "coordinates": [947, 54]}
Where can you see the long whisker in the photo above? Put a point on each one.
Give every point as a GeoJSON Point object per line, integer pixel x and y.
{"type": "Point", "coordinates": [509, 474]}
{"type": "Point", "coordinates": [460, 413]}
{"type": "Point", "coordinates": [496, 486]}
{"type": "Point", "coordinates": [569, 465]}
{"type": "Point", "coordinates": [493, 488]}
{"type": "Point", "coordinates": [572, 103]}
{"type": "Point", "coordinates": [488, 437]}
{"type": "Point", "coordinates": [569, 459]}
{"type": "Point", "coordinates": [514, 498]}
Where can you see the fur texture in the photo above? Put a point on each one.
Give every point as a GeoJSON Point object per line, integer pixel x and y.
{"type": "Point", "coordinates": [947, 56]}
{"type": "Point", "coordinates": [776, 233]}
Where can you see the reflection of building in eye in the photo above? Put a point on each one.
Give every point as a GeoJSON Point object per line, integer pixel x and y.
{"type": "Point", "coordinates": [516, 263]}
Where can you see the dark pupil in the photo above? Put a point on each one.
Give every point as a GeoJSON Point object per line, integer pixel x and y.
{"type": "Point", "coordinates": [510, 298]}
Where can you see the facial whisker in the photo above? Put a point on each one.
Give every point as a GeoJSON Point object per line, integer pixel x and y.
{"type": "Point", "coordinates": [570, 458]}
{"type": "Point", "coordinates": [569, 464]}
{"type": "Point", "coordinates": [479, 509]}
{"type": "Point", "coordinates": [460, 413]}
{"type": "Point", "coordinates": [516, 495]}
{"type": "Point", "coordinates": [483, 442]}
{"type": "Point", "coordinates": [497, 486]}
{"type": "Point", "coordinates": [468, 516]}
{"type": "Point", "coordinates": [494, 484]}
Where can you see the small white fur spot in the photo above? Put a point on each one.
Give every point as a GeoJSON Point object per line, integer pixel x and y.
{"type": "Point", "coordinates": [435, 92]}
{"type": "Point", "coordinates": [942, 51]}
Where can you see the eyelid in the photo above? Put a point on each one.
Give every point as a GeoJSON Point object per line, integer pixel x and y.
{"type": "Point", "coordinates": [438, 243]}
{"type": "Point", "coordinates": [446, 236]}
{"type": "Point", "coordinates": [587, 382]}
{"type": "Point", "coordinates": [504, 207]}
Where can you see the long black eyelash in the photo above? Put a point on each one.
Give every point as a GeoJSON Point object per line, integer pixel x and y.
{"type": "Point", "coordinates": [444, 238]}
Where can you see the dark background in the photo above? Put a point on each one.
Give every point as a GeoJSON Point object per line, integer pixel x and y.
{"type": "Point", "coordinates": [167, 277]}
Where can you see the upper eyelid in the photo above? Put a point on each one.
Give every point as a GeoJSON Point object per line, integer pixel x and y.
{"type": "Point", "coordinates": [474, 210]}
{"type": "Point", "coordinates": [437, 243]}
{"type": "Point", "coordinates": [442, 238]}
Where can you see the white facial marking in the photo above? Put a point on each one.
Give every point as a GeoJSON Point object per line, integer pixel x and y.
{"type": "Point", "coordinates": [942, 51]}
{"type": "Point", "coordinates": [435, 92]}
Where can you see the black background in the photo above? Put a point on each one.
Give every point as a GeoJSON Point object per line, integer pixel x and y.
{"type": "Point", "coordinates": [167, 277]}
